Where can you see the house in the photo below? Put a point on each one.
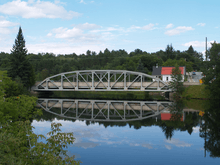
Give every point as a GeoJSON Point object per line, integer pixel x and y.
{"type": "Point", "coordinates": [165, 72]}
{"type": "Point", "coordinates": [157, 71]}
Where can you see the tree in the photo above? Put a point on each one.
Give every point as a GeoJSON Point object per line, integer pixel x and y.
{"type": "Point", "coordinates": [140, 67]}
{"type": "Point", "coordinates": [176, 82]}
{"type": "Point", "coordinates": [212, 71]}
{"type": "Point", "coordinates": [180, 62]}
{"type": "Point", "coordinates": [170, 52]}
{"type": "Point", "coordinates": [19, 64]}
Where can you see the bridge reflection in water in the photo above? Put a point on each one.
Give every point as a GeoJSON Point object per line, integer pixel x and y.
{"type": "Point", "coordinates": [109, 110]}
{"type": "Point", "coordinates": [104, 110]}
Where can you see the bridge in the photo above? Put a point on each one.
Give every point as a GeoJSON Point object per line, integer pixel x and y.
{"type": "Point", "coordinates": [102, 80]}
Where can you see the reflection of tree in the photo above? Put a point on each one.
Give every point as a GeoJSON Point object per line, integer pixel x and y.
{"type": "Point", "coordinates": [210, 129]}
{"type": "Point", "coordinates": [168, 130]}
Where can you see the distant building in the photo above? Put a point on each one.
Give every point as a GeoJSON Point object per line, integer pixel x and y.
{"type": "Point", "coordinates": [165, 72]}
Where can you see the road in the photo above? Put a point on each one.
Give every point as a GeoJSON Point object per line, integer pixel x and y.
{"type": "Point", "coordinates": [195, 78]}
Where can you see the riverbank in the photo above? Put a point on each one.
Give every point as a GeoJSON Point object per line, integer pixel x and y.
{"type": "Point", "coordinates": [112, 95]}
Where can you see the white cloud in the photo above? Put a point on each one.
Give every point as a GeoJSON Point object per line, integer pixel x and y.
{"type": "Point", "coordinates": [198, 44]}
{"type": "Point", "coordinates": [88, 26]}
{"type": "Point", "coordinates": [49, 34]}
{"type": "Point", "coordinates": [5, 26]}
{"type": "Point", "coordinates": [201, 24]}
{"type": "Point", "coordinates": [86, 145]}
{"type": "Point", "coordinates": [196, 129]}
{"type": "Point", "coordinates": [169, 26]}
{"type": "Point", "coordinates": [74, 34]}
{"type": "Point", "coordinates": [147, 146]}
{"type": "Point", "coordinates": [61, 48]}
{"type": "Point", "coordinates": [150, 26]}
{"type": "Point", "coordinates": [178, 143]}
{"type": "Point", "coordinates": [82, 1]}
{"type": "Point", "coordinates": [178, 30]}
{"type": "Point", "coordinates": [168, 147]}
{"type": "Point", "coordinates": [134, 144]}
{"type": "Point", "coordinates": [37, 9]}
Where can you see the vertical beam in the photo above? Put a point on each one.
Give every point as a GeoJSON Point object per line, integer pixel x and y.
{"type": "Point", "coordinates": [109, 85]}
{"type": "Point", "coordinates": [93, 81]}
{"type": "Point", "coordinates": [125, 84]}
{"type": "Point", "coordinates": [125, 103]}
{"type": "Point", "coordinates": [206, 49]}
{"type": "Point", "coordinates": [61, 81]}
{"type": "Point", "coordinates": [46, 104]}
{"type": "Point", "coordinates": [77, 81]}
{"type": "Point", "coordinates": [61, 109]}
{"type": "Point", "coordinates": [141, 83]}
{"type": "Point", "coordinates": [158, 85]}
{"type": "Point", "coordinates": [114, 76]}
{"type": "Point", "coordinates": [92, 102]}
{"type": "Point", "coordinates": [76, 108]}
{"type": "Point", "coordinates": [141, 110]}
{"type": "Point", "coordinates": [158, 105]}
{"type": "Point", "coordinates": [108, 102]}
{"type": "Point", "coordinates": [46, 83]}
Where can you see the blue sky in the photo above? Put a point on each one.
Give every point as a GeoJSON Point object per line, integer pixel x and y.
{"type": "Point", "coordinates": [75, 26]}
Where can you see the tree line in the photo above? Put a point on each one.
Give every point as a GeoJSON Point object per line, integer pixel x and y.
{"type": "Point", "coordinates": [30, 67]}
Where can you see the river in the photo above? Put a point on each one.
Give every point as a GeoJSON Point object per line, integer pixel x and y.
{"type": "Point", "coordinates": [135, 132]}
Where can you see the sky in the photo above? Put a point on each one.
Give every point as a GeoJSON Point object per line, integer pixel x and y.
{"type": "Point", "coordinates": [75, 26]}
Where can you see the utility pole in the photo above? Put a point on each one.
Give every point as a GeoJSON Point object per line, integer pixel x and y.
{"type": "Point", "coordinates": [206, 48]}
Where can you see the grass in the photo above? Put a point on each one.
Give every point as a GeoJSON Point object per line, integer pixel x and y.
{"type": "Point", "coordinates": [196, 92]}
{"type": "Point", "coordinates": [196, 104]}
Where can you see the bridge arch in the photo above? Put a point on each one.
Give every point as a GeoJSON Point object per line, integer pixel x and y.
{"type": "Point", "coordinates": [102, 80]}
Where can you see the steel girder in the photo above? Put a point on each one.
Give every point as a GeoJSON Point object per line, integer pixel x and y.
{"type": "Point", "coordinates": [102, 80]}
{"type": "Point", "coordinates": [103, 110]}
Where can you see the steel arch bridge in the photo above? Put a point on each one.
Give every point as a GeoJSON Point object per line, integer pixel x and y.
{"type": "Point", "coordinates": [102, 80]}
{"type": "Point", "coordinates": [103, 110]}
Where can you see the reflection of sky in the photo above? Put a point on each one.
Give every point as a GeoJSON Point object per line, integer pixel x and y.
{"type": "Point", "coordinates": [96, 144]}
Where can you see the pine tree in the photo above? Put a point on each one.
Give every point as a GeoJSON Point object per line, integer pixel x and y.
{"type": "Point", "coordinates": [19, 64]}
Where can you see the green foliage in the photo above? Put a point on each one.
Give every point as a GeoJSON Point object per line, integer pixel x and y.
{"type": "Point", "coordinates": [176, 82]}
{"type": "Point", "coordinates": [48, 64]}
{"type": "Point", "coordinates": [180, 62]}
{"type": "Point", "coordinates": [212, 71]}
{"type": "Point", "coordinates": [18, 144]}
{"type": "Point", "coordinates": [12, 88]}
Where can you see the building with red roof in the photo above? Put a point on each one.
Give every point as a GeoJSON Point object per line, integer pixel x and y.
{"type": "Point", "coordinates": [165, 72]}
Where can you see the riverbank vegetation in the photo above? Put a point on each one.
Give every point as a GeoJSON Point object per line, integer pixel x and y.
{"type": "Point", "coordinates": [196, 92]}
{"type": "Point", "coordinates": [109, 95]}
{"type": "Point", "coordinates": [18, 143]}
